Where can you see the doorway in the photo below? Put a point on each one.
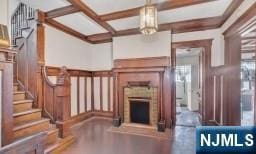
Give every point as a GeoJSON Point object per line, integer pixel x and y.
{"type": "Point", "coordinates": [248, 67]}
{"type": "Point", "coordinates": [188, 86]}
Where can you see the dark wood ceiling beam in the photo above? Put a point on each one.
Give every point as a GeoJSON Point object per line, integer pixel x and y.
{"type": "Point", "coordinates": [168, 5]}
{"type": "Point", "coordinates": [176, 27]}
{"type": "Point", "coordinates": [65, 29]}
{"type": "Point", "coordinates": [91, 14]}
{"type": "Point", "coordinates": [61, 12]}
{"type": "Point", "coordinates": [230, 10]}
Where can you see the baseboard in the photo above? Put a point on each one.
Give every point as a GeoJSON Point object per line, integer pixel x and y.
{"type": "Point", "coordinates": [84, 116]}
{"type": "Point", "coordinates": [79, 118]}
{"type": "Point", "coordinates": [211, 123]}
{"type": "Point", "coordinates": [103, 114]}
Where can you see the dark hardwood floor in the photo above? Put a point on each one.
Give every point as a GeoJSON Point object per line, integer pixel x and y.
{"type": "Point", "coordinates": [93, 138]}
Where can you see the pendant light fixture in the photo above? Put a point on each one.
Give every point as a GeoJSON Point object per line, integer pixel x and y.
{"type": "Point", "coordinates": [148, 19]}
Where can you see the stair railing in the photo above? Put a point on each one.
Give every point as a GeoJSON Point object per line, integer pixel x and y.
{"type": "Point", "coordinates": [57, 100]}
{"type": "Point", "coordinates": [19, 20]}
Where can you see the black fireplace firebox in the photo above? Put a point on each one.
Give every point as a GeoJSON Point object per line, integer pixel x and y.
{"type": "Point", "coordinates": [139, 111]}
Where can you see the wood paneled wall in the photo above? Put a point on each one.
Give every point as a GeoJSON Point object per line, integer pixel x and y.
{"type": "Point", "coordinates": [34, 144]}
{"type": "Point", "coordinates": [6, 95]}
{"type": "Point", "coordinates": [29, 60]}
{"type": "Point", "coordinates": [91, 92]}
{"type": "Point", "coordinates": [103, 91]}
{"type": "Point", "coordinates": [217, 105]}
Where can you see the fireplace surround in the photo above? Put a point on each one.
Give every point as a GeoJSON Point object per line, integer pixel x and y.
{"type": "Point", "coordinates": [143, 78]}
{"type": "Point", "coordinates": [142, 96]}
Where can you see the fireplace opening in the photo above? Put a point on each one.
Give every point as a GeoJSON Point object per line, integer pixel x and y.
{"type": "Point", "coordinates": [139, 111]}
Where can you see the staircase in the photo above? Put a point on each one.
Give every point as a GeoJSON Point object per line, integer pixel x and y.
{"type": "Point", "coordinates": [29, 121]}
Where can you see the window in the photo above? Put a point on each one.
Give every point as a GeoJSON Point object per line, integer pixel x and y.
{"type": "Point", "coordinates": [248, 70]}
{"type": "Point", "coordinates": [183, 73]}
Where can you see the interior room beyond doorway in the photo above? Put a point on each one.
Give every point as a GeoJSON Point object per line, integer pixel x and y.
{"type": "Point", "coordinates": [188, 88]}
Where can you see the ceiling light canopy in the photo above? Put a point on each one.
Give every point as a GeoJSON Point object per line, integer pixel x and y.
{"type": "Point", "coordinates": [148, 19]}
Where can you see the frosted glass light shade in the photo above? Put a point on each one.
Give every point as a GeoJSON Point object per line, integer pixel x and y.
{"type": "Point", "coordinates": [148, 19]}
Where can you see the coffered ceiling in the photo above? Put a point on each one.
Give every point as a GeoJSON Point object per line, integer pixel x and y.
{"type": "Point", "coordinates": [97, 21]}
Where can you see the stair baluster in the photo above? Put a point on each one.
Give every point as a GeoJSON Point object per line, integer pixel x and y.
{"type": "Point", "coordinates": [20, 20]}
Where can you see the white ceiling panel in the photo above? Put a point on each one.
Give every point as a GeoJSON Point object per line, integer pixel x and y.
{"type": "Point", "coordinates": [211, 9]}
{"type": "Point", "coordinates": [81, 23]}
{"type": "Point", "coordinates": [46, 5]}
{"type": "Point", "coordinates": [109, 6]}
{"type": "Point", "coordinates": [125, 23]}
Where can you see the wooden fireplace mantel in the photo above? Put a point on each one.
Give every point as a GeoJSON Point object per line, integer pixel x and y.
{"type": "Point", "coordinates": [146, 72]}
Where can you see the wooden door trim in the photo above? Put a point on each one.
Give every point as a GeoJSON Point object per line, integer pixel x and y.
{"type": "Point", "coordinates": [206, 62]}
{"type": "Point", "coordinates": [232, 61]}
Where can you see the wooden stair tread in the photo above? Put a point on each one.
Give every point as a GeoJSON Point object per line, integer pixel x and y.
{"type": "Point", "coordinates": [29, 124]}
{"type": "Point", "coordinates": [60, 142]}
{"type": "Point", "coordinates": [52, 129]}
{"type": "Point", "coordinates": [26, 112]}
{"type": "Point", "coordinates": [15, 84]}
{"type": "Point", "coordinates": [19, 92]}
{"type": "Point", "coordinates": [23, 101]}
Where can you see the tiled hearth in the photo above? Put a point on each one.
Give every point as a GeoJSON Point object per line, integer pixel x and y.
{"type": "Point", "coordinates": [141, 94]}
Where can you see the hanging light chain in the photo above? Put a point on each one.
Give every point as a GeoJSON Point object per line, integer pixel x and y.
{"type": "Point", "coordinates": [148, 2]}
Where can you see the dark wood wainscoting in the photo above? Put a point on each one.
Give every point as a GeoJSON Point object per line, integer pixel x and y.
{"type": "Point", "coordinates": [217, 82]}
{"type": "Point", "coordinates": [105, 95]}
{"type": "Point", "coordinates": [29, 60]}
{"type": "Point", "coordinates": [34, 144]}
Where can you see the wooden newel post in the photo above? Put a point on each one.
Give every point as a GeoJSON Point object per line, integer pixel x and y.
{"type": "Point", "coordinates": [63, 102]}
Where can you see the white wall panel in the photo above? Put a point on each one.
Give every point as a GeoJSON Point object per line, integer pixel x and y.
{"type": "Point", "coordinates": [62, 49]}
{"type": "Point", "coordinates": [89, 93]}
{"type": "Point", "coordinates": [73, 96]}
{"type": "Point", "coordinates": [111, 93]}
{"type": "Point", "coordinates": [4, 12]}
{"type": "Point", "coordinates": [82, 94]}
{"type": "Point", "coordinates": [102, 57]}
{"type": "Point", "coordinates": [105, 93]}
{"type": "Point", "coordinates": [96, 82]}
{"type": "Point", "coordinates": [141, 46]}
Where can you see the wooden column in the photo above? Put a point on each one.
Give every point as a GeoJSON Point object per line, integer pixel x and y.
{"type": "Point", "coordinates": [117, 118]}
{"type": "Point", "coordinates": [232, 93]}
{"type": "Point", "coordinates": [63, 102]}
{"type": "Point", "coordinates": [40, 63]}
{"type": "Point", "coordinates": [161, 123]}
